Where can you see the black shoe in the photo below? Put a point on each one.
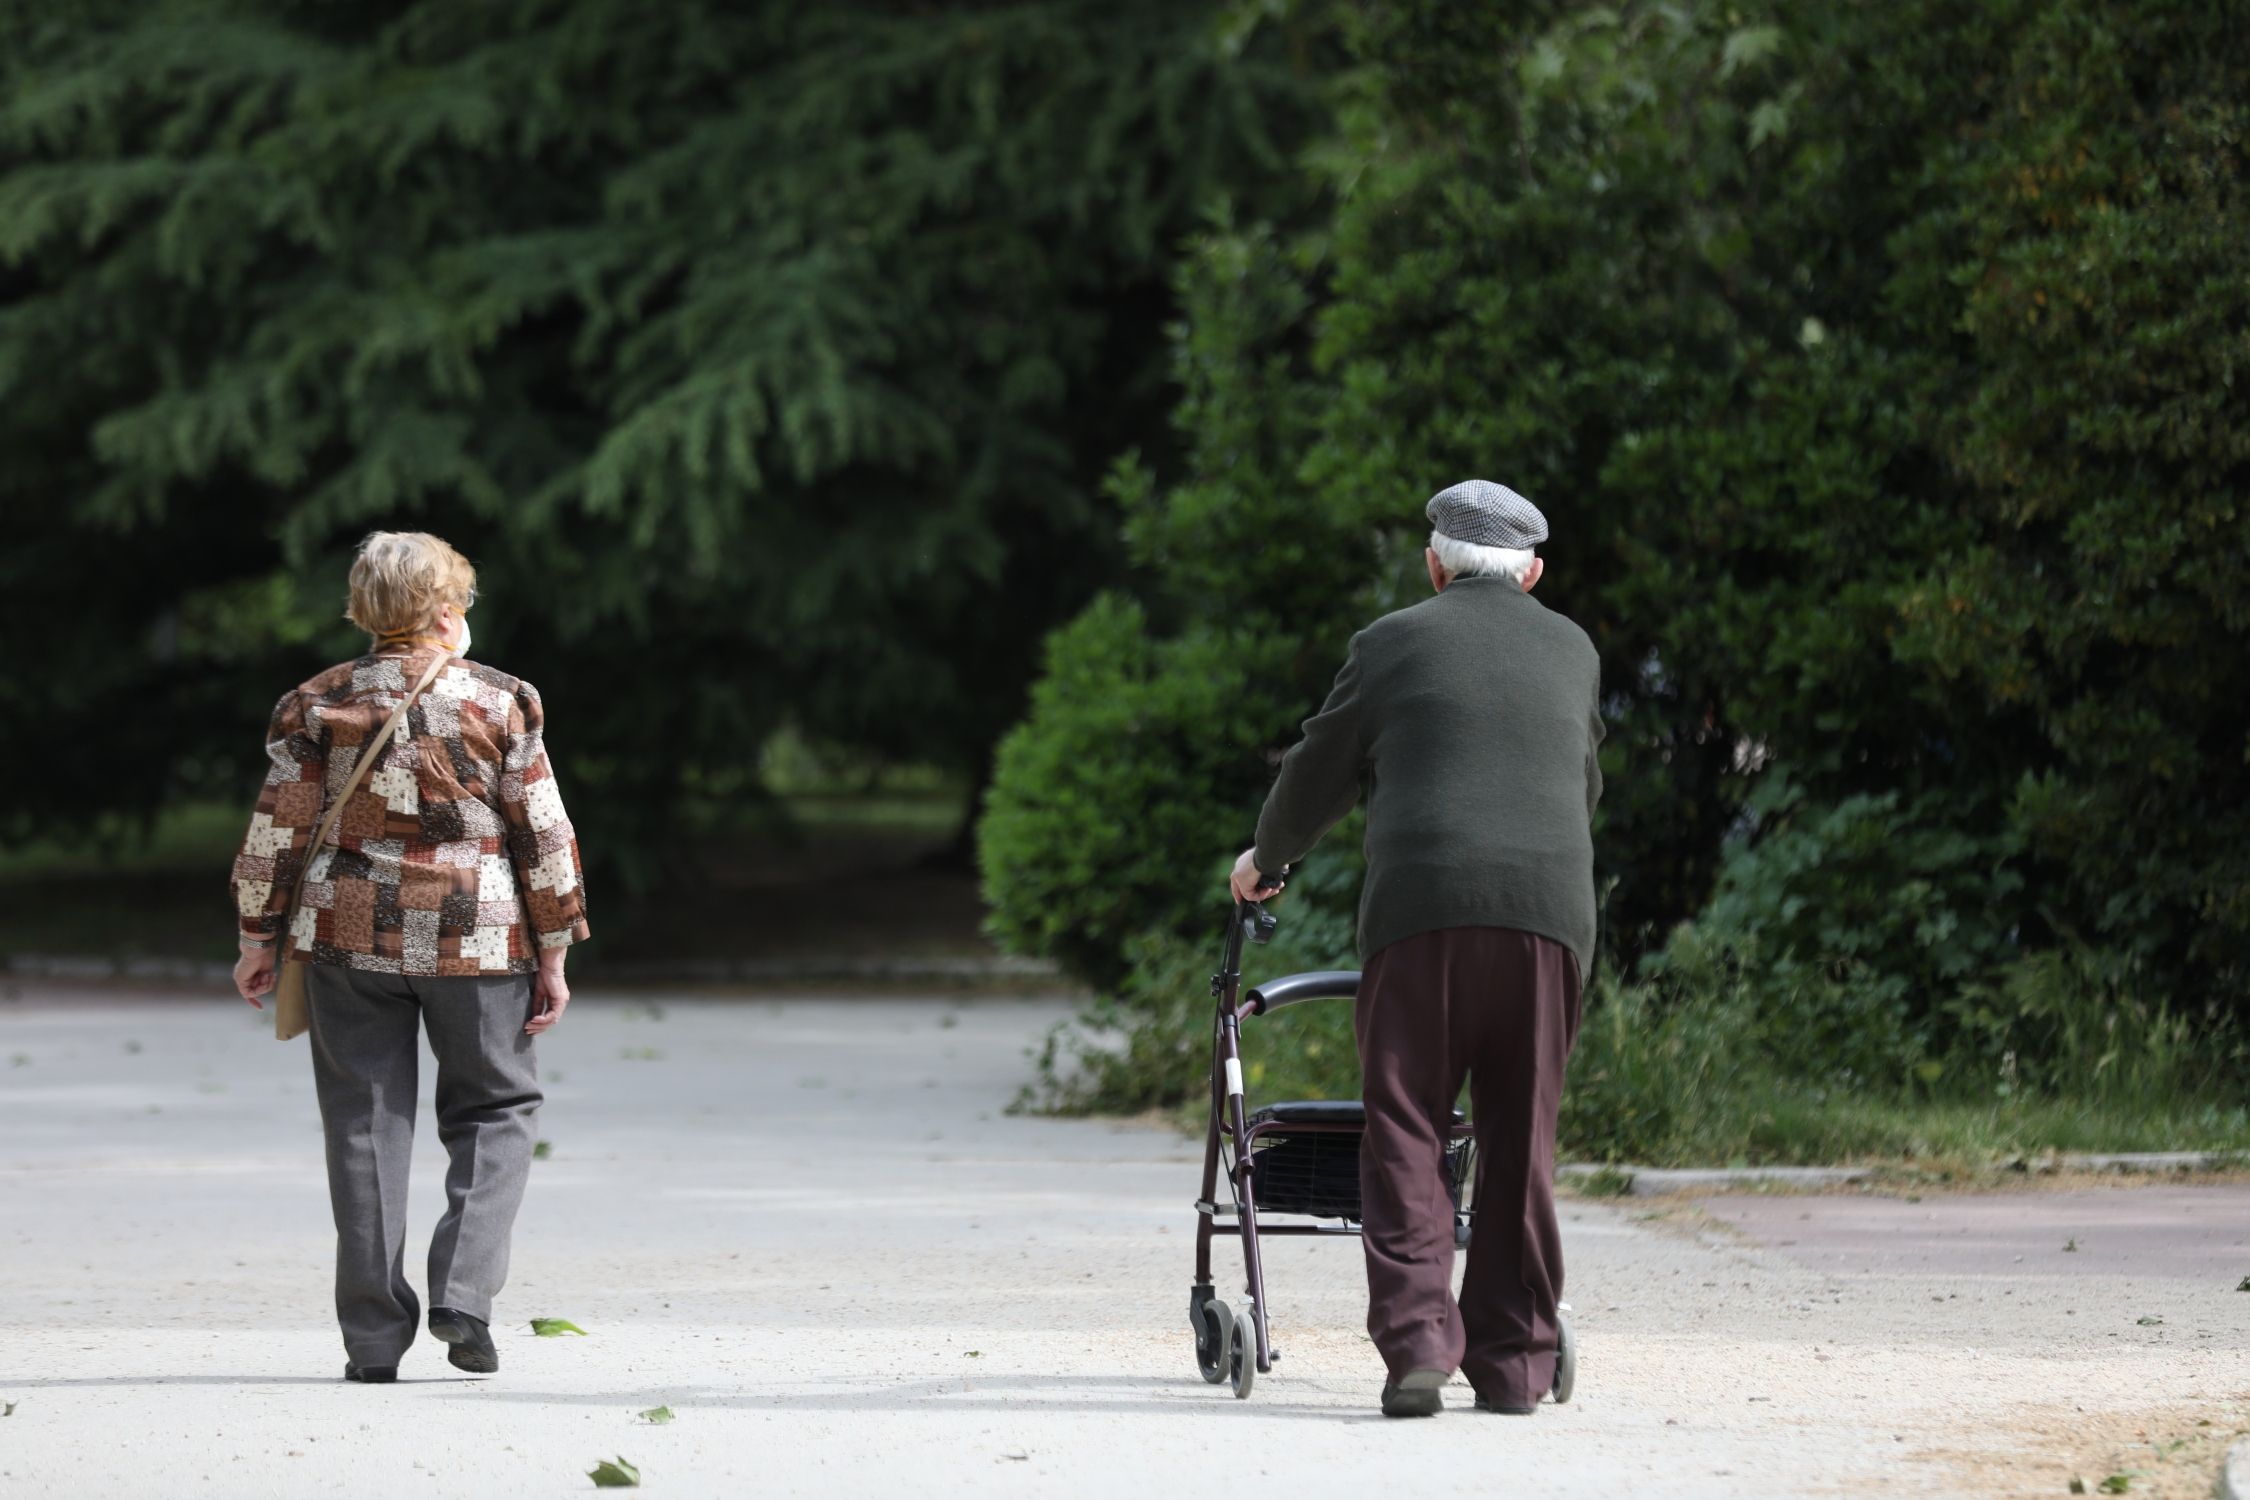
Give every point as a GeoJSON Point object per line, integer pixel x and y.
{"type": "Point", "coordinates": [471, 1340]}
{"type": "Point", "coordinates": [1415, 1394]}
{"type": "Point", "coordinates": [1485, 1403]}
{"type": "Point", "coordinates": [372, 1375]}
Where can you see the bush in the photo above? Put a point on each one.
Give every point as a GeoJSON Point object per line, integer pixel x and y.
{"type": "Point", "coordinates": [1147, 1044]}
{"type": "Point", "coordinates": [2077, 1023]}
{"type": "Point", "coordinates": [1874, 365]}
{"type": "Point", "coordinates": [1853, 926]}
{"type": "Point", "coordinates": [1689, 1069]}
{"type": "Point", "coordinates": [1138, 765]}
{"type": "Point", "coordinates": [1152, 732]}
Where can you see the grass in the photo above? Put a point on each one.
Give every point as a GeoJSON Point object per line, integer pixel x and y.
{"type": "Point", "coordinates": [195, 836]}
{"type": "Point", "coordinates": [1688, 1078]}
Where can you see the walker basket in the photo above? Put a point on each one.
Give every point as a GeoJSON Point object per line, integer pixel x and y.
{"type": "Point", "coordinates": [1317, 1174]}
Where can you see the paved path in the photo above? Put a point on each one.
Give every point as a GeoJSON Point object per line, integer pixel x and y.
{"type": "Point", "coordinates": [812, 1230]}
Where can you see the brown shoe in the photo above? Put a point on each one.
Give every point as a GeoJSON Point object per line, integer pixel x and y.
{"type": "Point", "coordinates": [1486, 1403]}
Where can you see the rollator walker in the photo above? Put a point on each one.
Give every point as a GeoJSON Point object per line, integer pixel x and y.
{"type": "Point", "coordinates": [1298, 1159]}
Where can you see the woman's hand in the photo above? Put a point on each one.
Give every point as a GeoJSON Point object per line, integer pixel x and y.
{"type": "Point", "coordinates": [254, 973]}
{"type": "Point", "coordinates": [549, 994]}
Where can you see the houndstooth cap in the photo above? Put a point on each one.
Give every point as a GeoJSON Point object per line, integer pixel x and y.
{"type": "Point", "coordinates": [1485, 514]}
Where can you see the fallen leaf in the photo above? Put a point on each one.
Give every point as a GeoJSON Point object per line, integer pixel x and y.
{"type": "Point", "coordinates": [614, 1474]}
{"type": "Point", "coordinates": [8, 1410]}
{"type": "Point", "coordinates": [543, 1150]}
{"type": "Point", "coordinates": [975, 1354]}
{"type": "Point", "coordinates": [2116, 1484]}
{"type": "Point", "coordinates": [2077, 1485]}
{"type": "Point", "coordinates": [1017, 1457]}
{"type": "Point", "coordinates": [2244, 1285]}
{"type": "Point", "coordinates": [551, 1328]}
{"type": "Point", "coordinates": [2071, 1244]}
{"type": "Point", "coordinates": [2146, 1323]}
{"type": "Point", "coordinates": [657, 1414]}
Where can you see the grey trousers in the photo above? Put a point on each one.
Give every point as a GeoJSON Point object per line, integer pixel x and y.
{"type": "Point", "coordinates": [365, 1056]}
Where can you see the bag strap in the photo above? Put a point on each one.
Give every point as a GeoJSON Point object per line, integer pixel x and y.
{"type": "Point", "coordinates": [359, 772]}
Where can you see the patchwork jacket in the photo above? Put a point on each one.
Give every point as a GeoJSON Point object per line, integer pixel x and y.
{"type": "Point", "coordinates": [454, 856]}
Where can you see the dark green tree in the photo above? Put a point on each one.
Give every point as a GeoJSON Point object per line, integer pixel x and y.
{"type": "Point", "coordinates": [1875, 367]}
{"type": "Point", "coordinates": [766, 357]}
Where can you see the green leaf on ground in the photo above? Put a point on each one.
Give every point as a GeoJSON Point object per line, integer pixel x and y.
{"type": "Point", "coordinates": [2150, 1322]}
{"type": "Point", "coordinates": [657, 1414]}
{"type": "Point", "coordinates": [2243, 1285]}
{"type": "Point", "coordinates": [7, 1409]}
{"type": "Point", "coordinates": [2071, 1244]}
{"type": "Point", "coordinates": [543, 1150]}
{"type": "Point", "coordinates": [551, 1328]}
{"type": "Point", "coordinates": [614, 1474]}
{"type": "Point", "coordinates": [2077, 1485]}
{"type": "Point", "coordinates": [2116, 1484]}
{"type": "Point", "coordinates": [974, 1354]}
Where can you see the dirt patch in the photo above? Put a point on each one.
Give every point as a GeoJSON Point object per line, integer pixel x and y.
{"type": "Point", "coordinates": [2171, 1452]}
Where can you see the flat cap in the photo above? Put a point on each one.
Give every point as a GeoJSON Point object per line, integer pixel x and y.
{"type": "Point", "coordinates": [1485, 514]}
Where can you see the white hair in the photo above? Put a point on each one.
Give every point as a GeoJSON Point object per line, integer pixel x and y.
{"type": "Point", "coordinates": [1467, 560]}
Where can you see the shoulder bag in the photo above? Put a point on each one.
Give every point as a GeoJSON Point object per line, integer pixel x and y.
{"type": "Point", "coordinates": [292, 1006]}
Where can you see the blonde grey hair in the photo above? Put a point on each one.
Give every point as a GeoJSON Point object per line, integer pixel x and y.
{"type": "Point", "coordinates": [401, 580]}
{"type": "Point", "coordinates": [1467, 560]}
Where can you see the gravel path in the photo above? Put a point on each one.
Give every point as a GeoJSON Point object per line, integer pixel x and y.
{"type": "Point", "coordinates": [811, 1229]}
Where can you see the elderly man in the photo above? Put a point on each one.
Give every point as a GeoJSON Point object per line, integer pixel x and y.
{"type": "Point", "coordinates": [1473, 717]}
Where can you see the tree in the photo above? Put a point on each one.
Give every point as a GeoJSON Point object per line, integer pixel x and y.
{"type": "Point", "coordinates": [766, 358]}
{"type": "Point", "coordinates": [1881, 404]}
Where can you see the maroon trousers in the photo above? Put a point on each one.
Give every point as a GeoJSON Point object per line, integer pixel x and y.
{"type": "Point", "coordinates": [1500, 1008]}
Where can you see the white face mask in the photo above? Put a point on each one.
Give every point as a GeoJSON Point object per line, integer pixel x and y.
{"type": "Point", "coordinates": [461, 637]}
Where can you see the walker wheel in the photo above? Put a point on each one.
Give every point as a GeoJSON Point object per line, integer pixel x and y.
{"type": "Point", "coordinates": [1214, 1330]}
{"type": "Point", "coordinates": [1242, 1355]}
{"type": "Point", "coordinates": [1566, 1361]}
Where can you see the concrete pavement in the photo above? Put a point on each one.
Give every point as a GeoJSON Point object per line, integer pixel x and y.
{"type": "Point", "coordinates": [812, 1230]}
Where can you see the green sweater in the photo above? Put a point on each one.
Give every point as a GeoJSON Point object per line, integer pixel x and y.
{"type": "Point", "coordinates": [1474, 718]}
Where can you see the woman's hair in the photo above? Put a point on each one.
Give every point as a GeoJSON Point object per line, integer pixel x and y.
{"type": "Point", "coordinates": [1467, 560]}
{"type": "Point", "coordinates": [401, 579]}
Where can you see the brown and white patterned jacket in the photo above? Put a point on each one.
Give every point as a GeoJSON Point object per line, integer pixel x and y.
{"type": "Point", "coordinates": [454, 856]}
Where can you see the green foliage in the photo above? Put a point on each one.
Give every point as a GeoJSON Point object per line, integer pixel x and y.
{"type": "Point", "coordinates": [2075, 1022]}
{"type": "Point", "coordinates": [1145, 749]}
{"type": "Point", "coordinates": [2101, 248]}
{"type": "Point", "coordinates": [1706, 1063]}
{"type": "Point", "coordinates": [1138, 743]}
{"type": "Point", "coordinates": [1853, 924]}
{"type": "Point", "coordinates": [1148, 1042]}
{"type": "Point", "coordinates": [1875, 366]}
{"type": "Point", "coordinates": [781, 345]}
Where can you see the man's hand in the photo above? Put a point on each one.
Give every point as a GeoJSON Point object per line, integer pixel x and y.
{"type": "Point", "coordinates": [1244, 881]}
{"type": "Point", "coordinates": [549, 994]}
{"type": "Point", "coordinates": [254, 973]}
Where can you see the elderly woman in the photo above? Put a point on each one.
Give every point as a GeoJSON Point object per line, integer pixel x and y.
{"type": "Point", "coordinates": [446, 896]}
